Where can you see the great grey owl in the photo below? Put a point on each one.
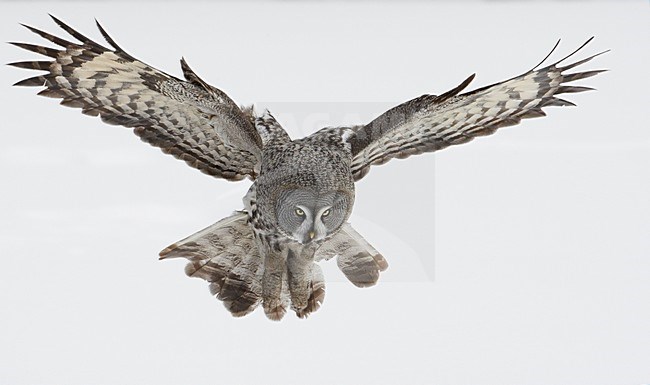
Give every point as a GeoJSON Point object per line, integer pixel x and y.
{"type": "Point", "coordinates": [296, 210]}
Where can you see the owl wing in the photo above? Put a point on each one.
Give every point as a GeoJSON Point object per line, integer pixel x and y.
{"type": "Point", "coordinates": [189, 119]}
{"type": "Point", "coordinates": [429, 122]}
{"type": "Point", "coordinates": [225, 255]}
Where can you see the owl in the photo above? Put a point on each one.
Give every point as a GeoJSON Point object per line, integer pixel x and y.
{"type": "Point", "coordinates": [296, 210]}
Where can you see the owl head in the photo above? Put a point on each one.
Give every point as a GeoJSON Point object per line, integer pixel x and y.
{"type": "Point", "coordinates": [305, 189]}
{"type": "Point", "coordinates": [307, 215]}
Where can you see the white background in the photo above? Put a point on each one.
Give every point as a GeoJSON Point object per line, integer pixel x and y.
{"type": "Point", "coordinates": [520, 258]}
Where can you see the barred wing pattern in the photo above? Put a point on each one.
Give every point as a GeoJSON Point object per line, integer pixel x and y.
{"type": "Point", "coordinates": [191, 120]}
{"type": "Point", "coordinates": [429, 123]}
{"type": "Point", "coordinates": [225, 255]}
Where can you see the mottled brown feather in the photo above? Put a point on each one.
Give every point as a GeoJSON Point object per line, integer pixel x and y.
{"type": "Point", "coordinates": [191, 120]}
{"type": "Point", "coordinates": [431, 123]}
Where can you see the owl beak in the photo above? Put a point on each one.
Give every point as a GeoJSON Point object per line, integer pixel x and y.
{"type": "Point", "coordinates": [312, 234]}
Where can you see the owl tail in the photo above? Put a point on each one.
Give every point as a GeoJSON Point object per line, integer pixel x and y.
{"type": "Point", "coordinates": [356, 258]}
{"type": "Point", "coordinates": [225, 255]}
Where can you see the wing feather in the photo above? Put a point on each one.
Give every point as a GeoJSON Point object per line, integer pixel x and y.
{"type": "Point", "coordinates": [225, 255]}
{"type": "Point", "coordinates": [429, 123]}
{"type": "Point", "coordinates": [190, 120]}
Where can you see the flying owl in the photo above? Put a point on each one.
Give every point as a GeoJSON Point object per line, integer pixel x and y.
{"type": "Point", "coordinates": [297, 208]}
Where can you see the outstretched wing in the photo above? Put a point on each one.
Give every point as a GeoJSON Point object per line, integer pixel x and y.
{"type": "Point", "coordinates": [430, 122]}
{"type": "Point", "coordinates": [190, 119]}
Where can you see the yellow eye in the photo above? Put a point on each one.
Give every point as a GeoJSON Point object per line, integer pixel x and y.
{"type": "Point", "coordinates": [325, 213]}
{"type": "Point", "coordinates": [300, 213]}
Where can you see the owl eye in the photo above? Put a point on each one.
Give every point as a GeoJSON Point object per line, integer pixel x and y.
{"type": "Point", "coordinates": [300, 213]}
{"type": "Point", "coordinates": [325, 213]}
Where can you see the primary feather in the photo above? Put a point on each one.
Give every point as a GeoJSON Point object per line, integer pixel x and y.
{"type": "Point", "coordinates": [430, 123]}
{"type": "Point", "coordinates": [190, 119]}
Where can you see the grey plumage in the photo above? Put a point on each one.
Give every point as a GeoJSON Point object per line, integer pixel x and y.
{"type": "Point", "coordinates": [226, 256]}
{"type": "Point", "coordinates": [297, 209]}
{"type": "Point", "coordinates": [430, 123]}
{"type": "Point", "coordinates": [188, 119]}
{"type": "Point", "coordinates": [358, 260]}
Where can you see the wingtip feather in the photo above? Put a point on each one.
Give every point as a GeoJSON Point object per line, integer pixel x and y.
{"type": "Point", "coordinates": [36, 81]}
{"type": "Point", "coordinates": [32, 65]}
{"type": "Point", "coordinates": [455, 91]}
{"type": "Point", "coordinates": [579, 62]}
{"type": "Point", "coordinates": [54, 39]}
{"type": "Point", "coordinates": [74, 33]}
{"type": "Point", "coordinates": [547, 55]}
{"type": "Point", "coordinates": [580, 75]}
{"type": "Point", "coordinates": [572, 89]}
{"type": "Point", "coordinates": [109, 39]}
{"type": "Point", "coordinates": [46, 51]}
{"type": "Point", "coordinates": [574, 52]}
{"type": "Point", "coordinates": [559, 102]}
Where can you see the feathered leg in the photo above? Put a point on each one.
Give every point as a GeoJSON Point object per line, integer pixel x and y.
{"type": "Point", "coordinates": [306, 284]}
{"type": "Point", "coordinates": [275, 299]}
